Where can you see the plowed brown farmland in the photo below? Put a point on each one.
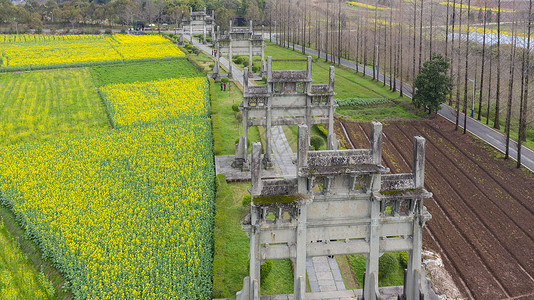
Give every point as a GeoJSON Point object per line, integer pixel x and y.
{"type": "Point", "coordinates": [482, 209]}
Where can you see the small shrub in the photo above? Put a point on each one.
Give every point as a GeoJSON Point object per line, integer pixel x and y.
{"type": "Point", "coordinates": [265, 270]}
{"type": "Point", "coordinates": [255, 69]}
{"type": "Point", "coordinates": [225, 80]}
{"type": "Point", "coordinates": [235, 107]}
{"type": "Point", "coordinates": [316, 142]}
{"type": "Point", "coordinates": [322, 130]}
{"type": "Point", "coordinates": [246, 200]}
{"type": "Point", "coordinates": [245, 63]}
{"type": "Point", "coordinates": [238, 60]}
{"type": "Point", "coordinates": [403, 259]}
{"type": "Point", "coordinates": [108, 31]}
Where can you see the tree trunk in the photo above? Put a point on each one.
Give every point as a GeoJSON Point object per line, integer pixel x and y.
{"type": "Point", "coordinates": [447, 31]}
{"type": "Point", "coordinates": [483, 63]}
{"type": "Point", "coordinates": [400, 68]}
{"type": "Point", "coordinates": [431, 30]}
{"type": "Point", "coordinates": [304, 28]}
{"type": "Point", "coordinates": [451, 72]}
{"type": "Point", "coordinates": [339, 53]}
{"type": "Point", "coordinates": [510, 92]}
{"type": "Point", "coordinates": [414, 39]}
{"type": "Point", "coordinates": [489, 91]}
{"type": "Point", "coordinates": [458, 78]}
{"type": "Point", "coordinates": [391, 67]}
{"type": "Point", "coordinates": [375, 45]}
{"type": "Point", "coordinates": [420, 39]}
{"type": "Point", "coordinates": [326, 32]}
{"type": "Point", "coordinates": [496, 124]}
{"type": "Point", "coordinates": [466, 66]}
{"type": "Point", "coordinates": [524, 99]}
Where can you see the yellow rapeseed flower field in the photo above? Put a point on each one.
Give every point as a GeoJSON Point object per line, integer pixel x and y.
{"type": "Point", "coordinates": [372, 7]}
{"type": "Point", "coordinates": [157, 100]}
{"type": "Point", "coordinates": [124, 213]}
{"type": "Point", "coordinates": [465, 7]}
{"type": "Point", "coordinates": [19, 52]}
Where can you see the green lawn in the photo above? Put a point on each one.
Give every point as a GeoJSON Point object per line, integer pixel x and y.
{"type": "Point", "coordinates": [230, 263]}
{"type": "Point", "coordinates": [395, 272]}
{"type": "Point", "coordinates": [142, 71]}
{"type": "Point", "coordinates": [229, 128]}
{"type": "Point", "coordinates": [44, 105]}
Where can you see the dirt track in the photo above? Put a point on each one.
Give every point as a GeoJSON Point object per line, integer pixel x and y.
{"type": "Point", "coordinates": [482, 209]}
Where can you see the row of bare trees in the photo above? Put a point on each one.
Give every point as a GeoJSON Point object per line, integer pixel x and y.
{"type": "Point", "coordinates": [486, 44]}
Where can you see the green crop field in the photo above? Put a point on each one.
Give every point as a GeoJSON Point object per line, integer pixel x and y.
{"type": "Point", "coordinates": [45, 105]}
{"type": "Point", "coordinates": [143, 71]}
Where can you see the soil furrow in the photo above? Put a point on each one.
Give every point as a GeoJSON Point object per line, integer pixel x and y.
{"type": "Point", "coordinates": [469, 257]}
{"type": "Point", "coordinates": [491, 218]}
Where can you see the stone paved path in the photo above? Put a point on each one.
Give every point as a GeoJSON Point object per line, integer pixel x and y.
{"type": "Point", "coordinates": [323, 272]}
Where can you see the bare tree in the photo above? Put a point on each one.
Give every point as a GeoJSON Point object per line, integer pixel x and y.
{"type": "Point", "coordinates": [447, 32]}
{"type": "Point", "coordinates": [420, 38]}
{"type": "Point", "coordinates": [510, 90]}
{"type": "Point", "coordinates": [339, 34]}
{"type": "Point", "coordinates": [483, 61]}
{"type": "Point", "coordinates": [496, 124]}
{"type": "Point", "coordinates": [458, 77]}
{"type": "Point", "coordinates": [524, 98]}
{"type": "Point", "coordinates": [489, 90]}
{"type": "Point", "coordinates": [391, 72]}
{"type": "Point", "coordinates": [414, 38]}
{"type": "Point", "coordinates": [467, 65]}
{"type": "Point", "coordinates": [375, 45]}
{"type": "Point", "coordinates": [452, 46]}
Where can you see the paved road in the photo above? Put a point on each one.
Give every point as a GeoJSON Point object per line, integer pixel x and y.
{"type": "Point", "coordinates": [478, 129]}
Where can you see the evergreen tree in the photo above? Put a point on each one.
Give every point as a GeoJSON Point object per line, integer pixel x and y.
{"type": "Point", "coordinates": [432, 84]}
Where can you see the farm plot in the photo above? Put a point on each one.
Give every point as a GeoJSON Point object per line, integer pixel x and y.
{"type": "Point", "coordinates": [30, 52]}
{"type": "Point", "coordinates": [124, 213]}
{"type": "Point", "coordinates": [44, 105]}
{"type": "Point", "coordinates": [132, 216]}
{"type": "Point", "coordinates": [142, 71]}
{"type": "Point", "coordinates": [482, 207]}
{"type": "Point", "coordinates": [165, 99]}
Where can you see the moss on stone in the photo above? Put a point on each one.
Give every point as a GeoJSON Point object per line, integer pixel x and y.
{"type": "Point", "coordinates": [266, 200]}
{"type": "Point", "coordinates": [400, 191]}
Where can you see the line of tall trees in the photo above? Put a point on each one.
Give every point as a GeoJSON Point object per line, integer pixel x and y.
{"type": "Point", "coordinates": [486, 44]}
{"type": "Point", "coordinates": [39, 14]}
